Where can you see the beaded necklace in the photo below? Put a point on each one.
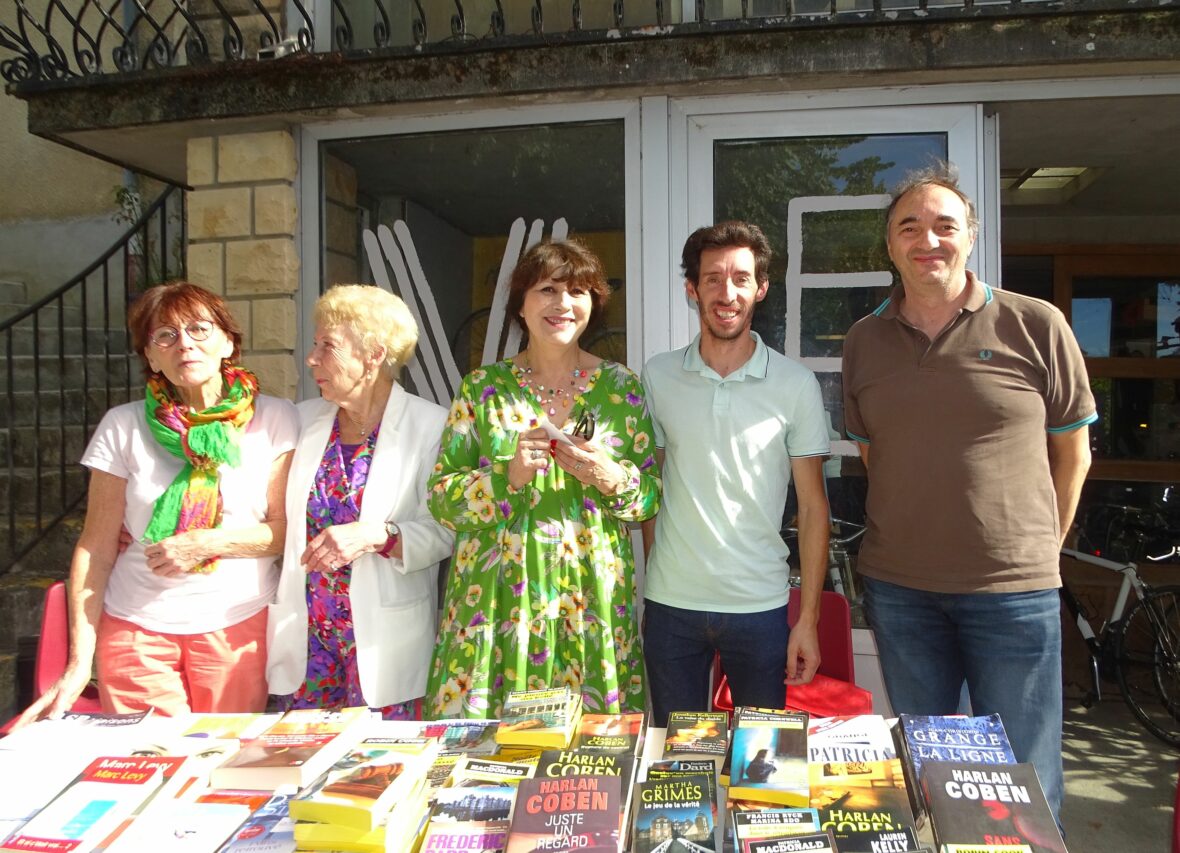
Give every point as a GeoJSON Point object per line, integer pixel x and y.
{"type": "Point", "coordinates": [557, 397]}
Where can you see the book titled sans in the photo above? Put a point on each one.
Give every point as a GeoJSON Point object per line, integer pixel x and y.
{"type": "Point", "coordinates": [976, 805]}
{"type": "Point", "coordinates": [570, 813]}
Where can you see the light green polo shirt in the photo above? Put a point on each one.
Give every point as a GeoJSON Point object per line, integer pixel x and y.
{"type": "Point", "coordinates": [728, 445]}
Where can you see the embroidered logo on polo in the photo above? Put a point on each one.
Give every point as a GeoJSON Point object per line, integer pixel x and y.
{"type": "Point", "coordinates": [985, 355]}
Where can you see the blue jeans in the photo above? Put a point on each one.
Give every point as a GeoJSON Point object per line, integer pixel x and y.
{"type": "Point", "coordinates": [1006, 646]}
{"type": "Point", "coordinates": [678, 646]}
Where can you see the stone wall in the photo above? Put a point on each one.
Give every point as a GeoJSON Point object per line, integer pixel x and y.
{"type": "Point", "coordinates": [242, 227]}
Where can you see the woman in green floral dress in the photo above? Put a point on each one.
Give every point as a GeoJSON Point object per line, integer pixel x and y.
{"type": "Point", "coordinates": [542, 585]}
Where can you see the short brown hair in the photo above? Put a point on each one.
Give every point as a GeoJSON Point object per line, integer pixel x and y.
{"type": "Point", "coordinates": [560, 260]}
{"type": "Point", "coordinates": [941, 174]}
{"type": "Point", "coordinates": [726, 235]}
{"type": "Point", "coordinates": [171, 303]}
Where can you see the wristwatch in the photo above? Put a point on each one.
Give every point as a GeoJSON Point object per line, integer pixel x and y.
{"type": "Point", "coordinates": [392, 534]}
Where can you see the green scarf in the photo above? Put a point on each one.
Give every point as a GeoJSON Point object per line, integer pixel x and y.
{"type": "Point", "coordinates": [205, 440]}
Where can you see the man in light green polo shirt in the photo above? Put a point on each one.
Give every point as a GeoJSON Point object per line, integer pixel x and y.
{"type": "Point", "coordinates": [734, 421]}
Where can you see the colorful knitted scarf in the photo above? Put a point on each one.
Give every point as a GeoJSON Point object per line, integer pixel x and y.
{"type": "Point", "coordinates": [204, 440]}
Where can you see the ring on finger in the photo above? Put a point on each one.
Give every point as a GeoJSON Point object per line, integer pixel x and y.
{"type": "Point", "coordinates": [578, 467]}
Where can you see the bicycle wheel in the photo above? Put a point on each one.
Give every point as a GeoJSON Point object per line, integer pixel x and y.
{"type": "Point", "coordinates": [467, 341]}
{"type": "Point", "coordinates": [1148, 662]}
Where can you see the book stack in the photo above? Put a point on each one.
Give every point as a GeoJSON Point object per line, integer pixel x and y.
{"type": "Point", "coordinates": [858, 786]}
{"type": "Point", "coordinates": [372, 799]}
{"type": "Point", "coordinates": [544, 719]}
{"type": "Point", "coordinates": [959, 739]}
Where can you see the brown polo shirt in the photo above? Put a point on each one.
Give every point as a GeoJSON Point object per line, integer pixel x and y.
{"type": "Point", "coordinates": [960, 496]}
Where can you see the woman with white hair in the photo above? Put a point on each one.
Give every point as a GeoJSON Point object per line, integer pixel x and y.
{"type": "Point", "coordinates": [354, 617]}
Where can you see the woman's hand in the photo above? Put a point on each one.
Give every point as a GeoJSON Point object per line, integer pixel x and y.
{"type": "Point", "coordinates": [591, 465]}
{"type": "Point", "coordinates": [340, 544]}
{"type": "Point", "coordinates": [177, 555]}
{"type": "Point", "coordinates": [58, 699]}
{"type": "Point", "coordinates": [533, 452]}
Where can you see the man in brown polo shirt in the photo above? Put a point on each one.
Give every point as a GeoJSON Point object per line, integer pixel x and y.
{"type": "Point", "coordinates": [969, 407]}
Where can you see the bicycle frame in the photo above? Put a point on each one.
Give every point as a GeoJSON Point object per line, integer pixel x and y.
{"type": "Point", "coordinates": [1094, 640]}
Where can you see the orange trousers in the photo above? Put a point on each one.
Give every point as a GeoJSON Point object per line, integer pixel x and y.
{"type": "Point", "coordinates": [218, 672]}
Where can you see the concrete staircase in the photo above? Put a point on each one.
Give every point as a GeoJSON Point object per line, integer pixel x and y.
{"type": "Point", "coordinates": [54, 388]}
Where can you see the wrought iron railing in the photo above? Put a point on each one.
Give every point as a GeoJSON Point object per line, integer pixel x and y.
{"type": "Point", "coordinates": [58, 40]}
{"type": "Point", "coordinates": [66, 360]}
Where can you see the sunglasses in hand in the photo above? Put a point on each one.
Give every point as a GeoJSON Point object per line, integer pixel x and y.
{"type": "Point", "coordinates": [584, 427]}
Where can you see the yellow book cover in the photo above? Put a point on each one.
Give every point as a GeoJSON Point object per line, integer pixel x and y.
{"type": "Point", "coordinates": [544, 718]}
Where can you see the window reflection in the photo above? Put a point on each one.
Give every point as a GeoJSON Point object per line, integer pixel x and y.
{"type": "Point", "coordinates": [1138, 419]}
{"type": "Point", "coordinates": [1117, 317]}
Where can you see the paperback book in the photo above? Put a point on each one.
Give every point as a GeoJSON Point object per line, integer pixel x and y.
{"type": "Point", "coordinates": [977, 804]}
{"type": "Point", "coordinates": [859, 799]}
{"type": "Point", "coordinates": [955, 738]}
{"type": "Point", "coordinates": [268, 830]}
{"type": "Point", "coordinates": [294, 751]}
{"type": "Point", "coordinates": [397, 832]}
{"type": "Point", "coordinates": [696, 733]}
{"type": "Point", "coordinates": [861, 737]}
{"type": "Point", "coordinates": [476, 804]}
{"type": "Point", "coordinates": [544, 718]}
{"type": "Point", "coordinates": [482, 771]}
{"type": "Point", "coordinates": [669, 815]}
{"type": "Point", "coordinates": [109, 790]}
{"type": "Point", "coordinates": [771, 823]}
{"type": "Point", "coordinates": [610, 733]}
{"type": "Point", "coordinates": [465, 838]}
{"type": "Point", "coordinates": [816, 842]}
{"type": "Point", "coordinates": [362, 786]}
{"type": "Point", "coordinates": [571, 813]}
{"type": "Point", "coordinates": [463, 737]}
{"type": "Point", "coordinates": [769, 759]}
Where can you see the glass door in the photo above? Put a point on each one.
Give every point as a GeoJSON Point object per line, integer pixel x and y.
{"type": "Point", "coordinates": [817, 182]}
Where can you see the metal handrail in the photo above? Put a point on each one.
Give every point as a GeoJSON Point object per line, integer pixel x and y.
{"type": "Point", "coordinates": [67, 403]}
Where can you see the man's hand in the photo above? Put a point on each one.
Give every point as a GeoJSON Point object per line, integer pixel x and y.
{"type": "Point", "coordinates": [803, 655]}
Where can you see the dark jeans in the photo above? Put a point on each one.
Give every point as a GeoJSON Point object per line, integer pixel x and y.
{"type": "Point", "coordinates": [678, 646]}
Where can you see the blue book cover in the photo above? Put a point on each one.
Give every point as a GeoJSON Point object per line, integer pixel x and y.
{"type": "Point", "coordinates": [979, 740]}
{"type": "Point", "coordinates": [268, 830]}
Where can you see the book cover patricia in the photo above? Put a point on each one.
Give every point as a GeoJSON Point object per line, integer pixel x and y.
{"type": "Point", "coordinates": [978, 804]}
{"type": "Point", "coordinates": [571, 813]}
{"type": "Point", "coordinates": [861, 737]}
{"type": "Point", "coordinates": [673, 816]}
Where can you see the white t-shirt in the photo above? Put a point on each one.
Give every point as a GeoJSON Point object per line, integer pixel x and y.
{"type": "Point", "coordinates": [195, 603]}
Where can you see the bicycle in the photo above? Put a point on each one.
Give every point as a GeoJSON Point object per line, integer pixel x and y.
{"type": "Point", "coordinates": [1141, 650]}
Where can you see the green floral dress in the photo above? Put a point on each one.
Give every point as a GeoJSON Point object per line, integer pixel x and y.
{"type": "Point", "coordinates": [542, 585]}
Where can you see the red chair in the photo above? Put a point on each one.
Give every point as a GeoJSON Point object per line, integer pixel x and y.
{"type": "Point", "coordinates": [833, 691]}
{"type": "Point", "coordinates": [53, 650]}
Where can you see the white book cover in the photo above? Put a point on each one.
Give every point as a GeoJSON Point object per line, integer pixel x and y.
{"type": "Point", "coordinates": [861, 737]}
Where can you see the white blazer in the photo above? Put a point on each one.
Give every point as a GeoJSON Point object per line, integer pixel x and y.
{"type": "Point", "coordinates": [394, 602]}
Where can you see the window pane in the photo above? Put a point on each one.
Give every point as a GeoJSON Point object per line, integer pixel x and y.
{"type": "Point", "coordinates": [827, 314]}
{"type": "Point", "coordinates": [1127, 317]}
{"type": "Point", "coordinates": [1138, 419]}
{"type": "Point", "coordinates": [458, 194]}
{"type": "Point", "coordinates": [1031, 275]}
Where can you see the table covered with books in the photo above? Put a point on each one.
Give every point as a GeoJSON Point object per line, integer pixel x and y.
{"type": "Point", "coordinates": [545, 777]}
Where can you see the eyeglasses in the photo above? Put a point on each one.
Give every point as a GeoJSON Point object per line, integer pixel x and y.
{"type": "Point", "coordinates": [167, 336]}
{"type": "Point", "coordinates": [585, 425]}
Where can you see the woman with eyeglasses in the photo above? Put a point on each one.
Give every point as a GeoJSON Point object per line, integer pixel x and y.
{"type": "Point", "coordinates": [545, 460]}
{"type": "Point", "coordinates": [195, 473]}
